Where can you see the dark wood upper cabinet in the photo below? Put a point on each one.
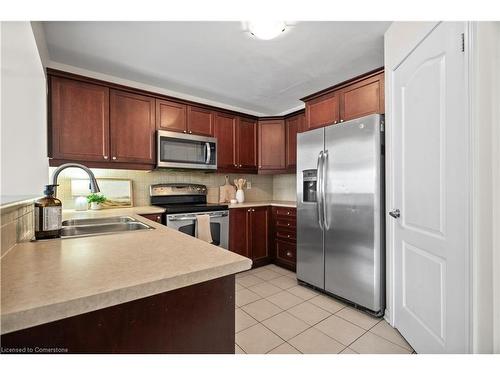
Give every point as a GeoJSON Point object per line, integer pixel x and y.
{"type": "Point", "coordinates": [238, 231]}
{"type": "Point", "coordinates": [259, 236]}
{"type": "Point", "coordinates": [246, 144]}
{"type": "Point", "coordinates": [171, 116]}
{"type": "Point", "coordinates": [225, 132]}
{"type": "Point", "coordinates": [322, 111]}
{"type": "Point", "coordinates": [78, 120]}
{"type": "Point", "coordinates": [200, 121]}
{"type": "Point", "coordinates": [132, 127]}
{"type": "Point", "coordinates": [292, 124]}
{"type": "Point", "coordinates": [362, 98]}
{"type": "Point", "coordinates": [272, 145]}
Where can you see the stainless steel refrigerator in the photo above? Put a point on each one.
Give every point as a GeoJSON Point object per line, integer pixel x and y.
{"type": "Point", "coordinates": [340, 211]}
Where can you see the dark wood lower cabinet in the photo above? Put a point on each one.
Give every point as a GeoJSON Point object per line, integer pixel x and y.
{"type": "Point", "coordinates": [249, 234]}
{"type": "Point", "coordinates": [284, 236]}
{"type": "Point", "coordinates": [198, 319]}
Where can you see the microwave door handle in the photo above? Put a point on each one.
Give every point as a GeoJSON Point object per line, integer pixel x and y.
{"type": "Point", "coordinates": [319, 189]}
{"type": "Point", "coordinates": [209, 152]}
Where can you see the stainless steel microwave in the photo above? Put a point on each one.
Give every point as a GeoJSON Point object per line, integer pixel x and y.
{"type": "Point", "coordinates": [186, 151]}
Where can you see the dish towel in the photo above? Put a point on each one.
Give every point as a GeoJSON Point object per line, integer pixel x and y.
{"type": "Point", "coordinates": [203, 228]}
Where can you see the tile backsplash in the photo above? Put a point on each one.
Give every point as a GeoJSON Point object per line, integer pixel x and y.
{"type": "Point", "coordinates": [262, 185]}
{"type": "Point", "coordinates": [17, 225]}
{"type": "Point", "coordinates": [284, 187]}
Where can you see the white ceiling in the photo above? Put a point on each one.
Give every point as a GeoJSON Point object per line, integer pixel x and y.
{"type": "Point", "coordinates": [221, 62]}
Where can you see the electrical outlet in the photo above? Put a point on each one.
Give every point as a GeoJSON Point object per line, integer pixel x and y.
{"type": "Point", "coordinates": [249, 185]}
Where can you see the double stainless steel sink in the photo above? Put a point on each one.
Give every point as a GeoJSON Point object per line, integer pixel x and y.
{"type": "Point", "coordinates": [99, 226]}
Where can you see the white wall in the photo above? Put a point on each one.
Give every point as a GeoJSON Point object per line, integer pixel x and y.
{"type": "Point", "coordinates": [24, 161]}
{"type": "Point", "coordinates": [483, 69]}
{"type": "Point", "coordinates": [496, 191]}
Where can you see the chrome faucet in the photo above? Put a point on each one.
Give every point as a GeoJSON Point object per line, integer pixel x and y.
{"type": "Point", "coordinates": [94, 188]}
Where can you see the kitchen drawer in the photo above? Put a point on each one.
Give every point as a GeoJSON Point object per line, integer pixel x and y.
{"type": "Point", "coordinates": [285, 223]}
{"type": "Point", "coordinates": [286, 251]}
{"type": "Point", "coordinates": [285, 211]}
{"type": "Point", "coordinates": [286, 235]}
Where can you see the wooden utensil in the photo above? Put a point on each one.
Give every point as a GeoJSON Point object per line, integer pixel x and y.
{"type": "Point", "coordinates": [227, 192]}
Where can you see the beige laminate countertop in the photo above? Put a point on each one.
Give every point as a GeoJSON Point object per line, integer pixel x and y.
{"type": "Point", "coordinates": [291, 204]}
{"type": "Point", "coordinates": [55, 279]}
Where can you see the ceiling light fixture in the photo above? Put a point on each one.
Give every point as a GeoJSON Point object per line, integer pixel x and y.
{"type": "Point", "coordinates": [266, 30]}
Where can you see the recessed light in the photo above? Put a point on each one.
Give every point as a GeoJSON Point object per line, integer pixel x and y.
{"type": "Point", "coordinates": [266, 30]}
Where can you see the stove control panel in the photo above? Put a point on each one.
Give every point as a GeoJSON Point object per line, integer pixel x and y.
{"type": "Point", "coordinates": [177, 189]}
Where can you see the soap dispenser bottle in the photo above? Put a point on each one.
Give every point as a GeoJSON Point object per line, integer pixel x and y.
{"type": "Point", "coordinates": [48, 215]}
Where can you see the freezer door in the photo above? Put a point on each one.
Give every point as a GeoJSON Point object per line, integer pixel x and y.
{"type": "Point", "coordinates": [353, 199]}
{"type": "Point", "coordinates": [310, 259]}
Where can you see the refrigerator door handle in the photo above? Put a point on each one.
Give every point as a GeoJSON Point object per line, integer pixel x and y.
{"type": "Point", "coordinates": [319, 189]}
{"type": "Point", "coordinates": [324, 190]}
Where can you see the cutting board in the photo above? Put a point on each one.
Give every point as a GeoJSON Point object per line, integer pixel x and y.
{"type": "Point", "coordinates": [227, 192]}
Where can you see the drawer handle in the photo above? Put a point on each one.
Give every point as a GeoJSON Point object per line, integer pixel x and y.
{"type": "Point", "coordinates": [288, 236]}
{"type": "Point", "coordinates": [289, 254]}
{"type": "Point", "coordinates": [288, 224]}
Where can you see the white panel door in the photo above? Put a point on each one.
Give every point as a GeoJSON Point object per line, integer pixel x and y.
{"type": "Point", "coordinates": [430, 190]}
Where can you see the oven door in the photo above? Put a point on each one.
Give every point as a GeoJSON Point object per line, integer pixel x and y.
{"type": "Point", "coordinates": [186, 151]}
{"type": "Point", "coordinates": [219, 225]}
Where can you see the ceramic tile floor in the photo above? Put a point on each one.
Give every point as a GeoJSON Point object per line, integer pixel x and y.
{"type": "Point", "coordinates": [275, 315]}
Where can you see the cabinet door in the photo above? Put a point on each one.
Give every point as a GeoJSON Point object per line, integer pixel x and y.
{"type": "Point", "coordinates": [200, 121]}
{"type": "Point", "coordinates": [225, 127]}
{"type": "Point", "coordinates": [322, 111]}
{"type": "Point", "coordinates": [246, 144]}
{"type": "Point", "coordinates": [132, 127]}
{"type": "Point", "coordinates": [152, 217]}
{"type": "Point", "coordinates": [171, 116]}
{"type": "Point", "coordinates": [78, 120]}
{"type": "Point", "coordinates": [259, 227]}
{"type": "Point", "coordinates": [238, 231]}
{"type": "Point", "coordinates": [292, 125]}
{"type": "Point", "coordinates": [272, 145]}
{"type": "Point", "coordinates": [362, 98]}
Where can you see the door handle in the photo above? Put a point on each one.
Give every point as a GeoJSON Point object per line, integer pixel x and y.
{"type": "Point", "coordinates": [319, 189]}
{"type": "Point", "coordinates": [395, 213]}
{"type": "Point", "coordinates": [207, 146]}
{"type": "Point", "coordinates": [324, 189]}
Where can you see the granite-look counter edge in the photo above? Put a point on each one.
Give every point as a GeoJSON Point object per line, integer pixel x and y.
{"type": "Point", "coordinates": [291, 204]}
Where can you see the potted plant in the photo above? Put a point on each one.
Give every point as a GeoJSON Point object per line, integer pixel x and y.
{"type": "Point", "coordinates": [95, 200]}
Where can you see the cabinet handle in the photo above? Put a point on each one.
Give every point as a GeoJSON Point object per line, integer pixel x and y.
{"type": "Point", "coordinates": [105, 157]}
{"type": "Point", "coordinates": [158, 218]}
{"type": "Point", "coordinates": [114, 157]}
{"type": "Point", "coordinates": [249, 210]}
{"type": "Point", "coordinates": [288, 213]}
{"type": "Point", "coordinates": [335, 122]}
{"type": "Point", "coordinates": [184, 131]}
{"type": "Point", "coordinates": [341, 120]}
{"type": "Point", "coordinates": [260, 166]}
{"type": "Point", "coordinates": [288, 236]}
{"type": "Point", "coordinates": [190, 132]}
{"type": "Point", "coordinates": [288, 254]}
{"type": "Point", "coordinates": [236, 165]}
{"type": "Point", "coordinates": [240, 165]}
{"type": "Point", "coordinates": [288, 224]}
